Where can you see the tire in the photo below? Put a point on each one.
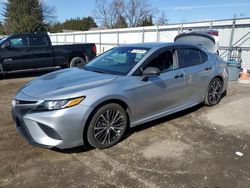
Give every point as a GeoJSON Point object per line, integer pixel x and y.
{"type": "Point", "coordinates": [1, 72]}
{"type": "Point", "coordinates": [107, 126]}
{"type": "Point", "coordinates": [214, 92]}
{"type": "Point", "coordinates": [77, 62]}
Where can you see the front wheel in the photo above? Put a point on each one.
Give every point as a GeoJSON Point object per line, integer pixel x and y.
{"type": "Point", "coordinates": [107, 126]}
{"type": "Point", "coordinates": [214, 92]}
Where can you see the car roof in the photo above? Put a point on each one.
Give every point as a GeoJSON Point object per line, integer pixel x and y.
{"type": "Point", "coordinates": [157, 44]}
{"type": "Point", "coordinates": [148, 44]}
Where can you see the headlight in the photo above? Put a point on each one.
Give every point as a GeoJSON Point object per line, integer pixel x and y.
{"type": "Point", "coordinates": [60, 104]}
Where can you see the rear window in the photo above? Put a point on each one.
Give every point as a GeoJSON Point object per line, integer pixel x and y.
{"type": "Point", "coordinates": [204, 57]}
{"type": "Point", "coordinates": [190, 57]}
{"type": "Point", "coordinates": [38, 41]}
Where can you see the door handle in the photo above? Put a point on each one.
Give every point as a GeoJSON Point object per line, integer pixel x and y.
{"type": "Point", "coordinates": [177, 76]}
{"type": "Point", "coordinates": [208, 68]}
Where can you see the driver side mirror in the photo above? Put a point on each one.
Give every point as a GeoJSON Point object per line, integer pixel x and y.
{"type": "Point", "coordinates": [5, 45]}
{"type": "Point", "coordinates": [149, 72]}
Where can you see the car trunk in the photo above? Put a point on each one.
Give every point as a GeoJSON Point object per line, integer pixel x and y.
{"type": "Point", "coordinates": [207, 39]}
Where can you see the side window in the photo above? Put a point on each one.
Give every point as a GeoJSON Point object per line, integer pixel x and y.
{"type": "Point", "coordinates": [18, 42]}
{"type": "Point", "coordinates": [38, 41]}
{"type": "Point", "coordinates": [189, 57]}
{"type": "Point", "coordinates": [204, 57]}
{"type": "Point", "coordinates": [165, 61]}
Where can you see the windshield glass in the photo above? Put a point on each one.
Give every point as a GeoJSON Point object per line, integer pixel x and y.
{"type": "Point", "coordinates": [119, 60]}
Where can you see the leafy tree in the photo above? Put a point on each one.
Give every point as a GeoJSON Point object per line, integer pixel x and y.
{"type": "Point", "coordinates": [1, 29]}
{"type": "Point", "coordinates": [25, 16]}
{"type": "Point", "coordinates": [55, 28]}
{"type": "Point", "coordinates": [79, 24]}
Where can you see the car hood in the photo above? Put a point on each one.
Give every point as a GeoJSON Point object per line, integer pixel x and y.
{"type": "Point", "coordinates": [64, 83]}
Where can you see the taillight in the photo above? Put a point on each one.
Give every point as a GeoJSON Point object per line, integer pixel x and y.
{"type": "Point", "coordinates": [94, 49]}
{"type": "Point", "coordinates": [215, 33]}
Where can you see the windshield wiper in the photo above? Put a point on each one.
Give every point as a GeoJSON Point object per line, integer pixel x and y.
{"type": "Point", "coordinates": [93, 70]}
{"type": "Point", "coordinates": [98, 71]}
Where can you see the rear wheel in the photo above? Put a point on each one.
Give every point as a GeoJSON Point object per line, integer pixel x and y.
{"type": "Point", "coordinates": [107, 126]}
{"type": "Point", "coordinates": [77, 62]}
{"type": "Point", "coordinates": [214, 92]}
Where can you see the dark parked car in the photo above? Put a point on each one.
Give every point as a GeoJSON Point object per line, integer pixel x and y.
{"type": "Point", "coordinates": [30, 51]}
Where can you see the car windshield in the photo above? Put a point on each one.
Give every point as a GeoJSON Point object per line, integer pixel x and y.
{"type": "Point", "coordinates": [118, 61]}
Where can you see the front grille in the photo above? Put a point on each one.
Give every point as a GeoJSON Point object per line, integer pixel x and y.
{"type": "Point", "coordinates": [49, 132]}
{"type": "Point", "coordinates": [21, 112]}
{"type": "Point", "coordinates": [25, 102]}
{"type": "Point", "coordinates": [24, 107]}
{"type": "Point", "coordinates": [25, 111]}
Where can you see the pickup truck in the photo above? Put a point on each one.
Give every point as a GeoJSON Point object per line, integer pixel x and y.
{"type": "Point", "coordinates": [30, 51]}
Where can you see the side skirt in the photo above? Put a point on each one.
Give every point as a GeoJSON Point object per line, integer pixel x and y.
{"type": "Point", "coordinates": [162, 114]}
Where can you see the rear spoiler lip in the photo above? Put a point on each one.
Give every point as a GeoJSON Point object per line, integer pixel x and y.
{"type": "Point", "coordinates": [194, 33]}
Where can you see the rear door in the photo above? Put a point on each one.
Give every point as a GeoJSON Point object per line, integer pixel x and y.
{"type": "Point", "coordinates": [18, 54]}
{"type": "Point", "coordinates": [198, 69]}
{"type": "Point", "coordinates": [42, 51]}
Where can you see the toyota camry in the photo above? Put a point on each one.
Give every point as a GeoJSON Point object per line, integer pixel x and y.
{"type": "Point", "coordinates": [124, 87]}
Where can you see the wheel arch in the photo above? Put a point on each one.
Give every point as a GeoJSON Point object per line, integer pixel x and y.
{"type": "Point", "coordinates": [224, 84]}
{"type": "Point", "coordinates": [219, 77]}
{"type": "Point", "coordinates": [120, 102]}
{"type": "Point", "coordinates": [214, 77]}
{"type": "Point", "coordinates": [77, 54]}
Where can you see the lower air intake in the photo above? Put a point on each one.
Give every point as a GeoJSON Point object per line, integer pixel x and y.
{"type": "Point", "coordinates": [49, 132]}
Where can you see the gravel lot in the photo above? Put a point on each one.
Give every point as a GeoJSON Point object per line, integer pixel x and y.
{"type": "Point", "coordinates": [194, 148]}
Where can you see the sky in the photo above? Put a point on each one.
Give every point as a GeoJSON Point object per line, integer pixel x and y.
{"type": "Point", "coordinates": [176, 11]}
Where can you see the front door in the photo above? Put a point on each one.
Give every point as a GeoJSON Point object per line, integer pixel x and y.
{"type": "Point", "coordinates": [18, 54]}
{"type": "Point", "coordinates": [162, 93]}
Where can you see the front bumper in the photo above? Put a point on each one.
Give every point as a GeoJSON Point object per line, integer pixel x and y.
{"type": "Point", "coordinates": [60, 128]}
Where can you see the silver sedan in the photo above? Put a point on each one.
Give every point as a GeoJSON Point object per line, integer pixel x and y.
{"type": "Point", "coordinates": [126, 86]}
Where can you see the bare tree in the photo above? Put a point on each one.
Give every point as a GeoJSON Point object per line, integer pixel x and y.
{"type": "Point", "coordinates": [162, 19]}
{"type": "Point", "coordinates": [49, 13]}
{"type": "Point", "coordinates": [128, 12]}
{"type": "Point", "coordinates": [136, 11]}
{"type": "Point", "coordinates": [108, 11]}
{"type": "Point", "coordinates": [101, 12]}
